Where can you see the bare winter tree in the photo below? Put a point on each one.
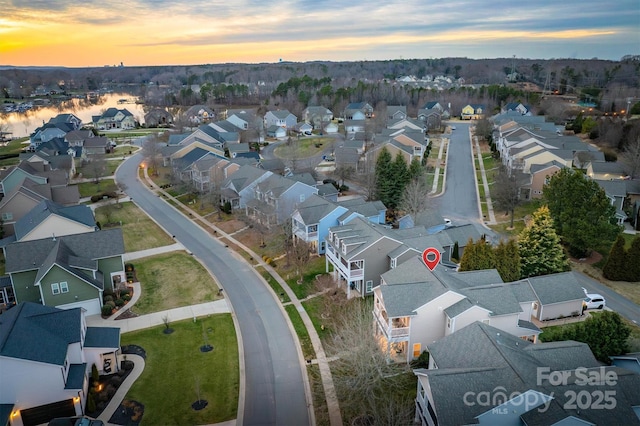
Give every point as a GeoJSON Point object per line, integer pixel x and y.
{"type": "Point", "coordinates": [96, 168]}
{"type": "Point", "coordinates": [415, 198]}
{"type": "Point", "coordinates": [367, 177]}
{"type": "Point", "coordinates": [343, 172]}
{"type": "Point", "coordinates": [361, 368]}
{"type": "Point", "coordinates": [152, 152]}
{"type": "Point", "coordinates": [507, 190]}
{"type": "Point", "coordinates": [123, 188]}
{"type": "Point", "coordinates": [630, 158]}
{"type": "Point", "coordinates": [582, 158]}
{"type": "Point", "coordinates": [299, 256]}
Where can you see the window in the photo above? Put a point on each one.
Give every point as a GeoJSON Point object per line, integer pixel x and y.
{"type": "Point", "coordinates": [7, 216]}
{"type": "Point", "coordinates": [448, 322]}
{"type": "Point", "coordinates": [64, 287]}
{"type": "Point", "coordinates": [55, 288]}
{"type": "Point", "coordinates": [301, 198]}
{"type": "Point", "coordinates": [323, 246]}
{"type": "Point", "coordinates": [393, 263]}
{"type": "Point", "coordinates": [369, 286]}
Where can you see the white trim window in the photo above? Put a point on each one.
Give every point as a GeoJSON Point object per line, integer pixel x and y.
{"type": "Point", "coordinates": [7, 216]}
{"type": "Point", "coordinates": [55, 288]}
{"type": "Point", "coordinates": [369, 286]}
{"type": "Point", "coordinates": [64, 287]}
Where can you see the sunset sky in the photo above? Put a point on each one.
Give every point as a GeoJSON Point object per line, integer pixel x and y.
{"type": "Point", "coordinates": [79, 33]}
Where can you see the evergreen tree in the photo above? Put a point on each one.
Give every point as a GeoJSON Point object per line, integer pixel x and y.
{"type": "Point", "coordinates": [582, 214]}
{"type": "Point", "coordinates": [455, 253]}
{"type": "Point", "coordinates": [415, 169]}
{"type": "Point", "coordinates": [508, 261]}
{"type": "Point", "coordinates": [616, 267]}
{"type": "Point", "coordinates": [477, 256]}
{"type": "Point", "coordinates": [539, 247]}
{"type": "Point", "coordinates": [400, 179]}
{"type": "Point", "coordinates": [633, 260]}
{"type": "Point", "coordinates": [469, 257]}
{"type": "Point", "coordinates": [384, 177]}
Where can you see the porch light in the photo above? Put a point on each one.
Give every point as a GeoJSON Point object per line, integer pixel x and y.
{"type": "Point", "coordinates": [15, 413]}
{"type": "Point", "coordinates": [76, 399]}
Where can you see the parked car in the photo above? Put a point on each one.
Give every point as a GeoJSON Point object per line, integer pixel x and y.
{"type": "Point", "coordinates": [593, 300]}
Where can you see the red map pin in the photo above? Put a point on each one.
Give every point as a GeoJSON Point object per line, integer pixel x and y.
{"type": "Point", "coordinates": [431, 257]}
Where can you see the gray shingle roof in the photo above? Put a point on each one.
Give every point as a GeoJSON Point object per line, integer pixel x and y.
{"type": "Point", "coordinates": [39, 333]}
{"type": "Point", "coordinates": [102, 337]}
{"type": "Point", "coordinates": [75, 378]}
{"type": "Point", "coordinates": [80, 213]}
{"type": "Point", "coordinates": [557, 288]}
{"type": "Point", "coordinates": [30, 255]}
{"type": "Point", "coordinates": [497, 299]}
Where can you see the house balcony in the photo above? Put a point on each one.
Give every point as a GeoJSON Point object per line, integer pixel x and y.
{"type": "Point", "coordinates": [304, 234]}
{"type": "Point", "coordinates": [396, 330]}
{"type": "Point", "coordinates": [348, 270]}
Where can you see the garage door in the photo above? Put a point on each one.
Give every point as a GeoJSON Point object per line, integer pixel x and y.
{"type": "Point", "coordinates": [91, 306]}
{"type": "Point", "coordinates": [44, 413]}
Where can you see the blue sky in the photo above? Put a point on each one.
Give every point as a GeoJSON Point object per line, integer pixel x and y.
{"type": "Point", "coordinates": [156, 32]}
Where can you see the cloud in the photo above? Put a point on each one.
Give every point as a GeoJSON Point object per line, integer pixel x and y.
{"type": "Point", "coordinates": [308, 27]}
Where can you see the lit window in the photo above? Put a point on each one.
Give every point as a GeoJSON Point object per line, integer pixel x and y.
{"type": "Point", "coordinates": [64, 287]}
{"type": "Point", "coordinates": [55, 288]}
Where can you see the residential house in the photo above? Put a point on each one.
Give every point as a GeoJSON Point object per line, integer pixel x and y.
{"type": "Point", "coordinates": [432, 118]}
{"type": "Point", "coordinates": [331, 128]}
{"type": "Point", "coordinates": [37, 172]}
{"type": "Point", "coordinates": [539, 176]}
{"type": "Point", "coordinates": [47, 132]}
{"type": "Point", "coordinates": [281, 118]}
{"type": "Point", "coordinates": [317, 116]}
{"type": "Point", "coordinates": [396, 112]}
{"type": "Point", "coordinates": [209, 172]}
{"type": "Point", "coordinates": [434, 105]}
{"type": "Point", "coordinates": [616, 192]}
{"type": "Point", "coordinates": [158, 117]}
{"type": "Point", "coordinates": [76, 138]}
{"type": "Point", "coordinates": [237, 148]}
{"type": "Point", "coordinates": [277, 132]}
{"type": "Point", "coordinates": [46, 356]}
{"type": "Point", "coordinates": [558, 296]}
{"type": "Point", "coordinates": [56, 154]}
{"type": "Point", "coordinates": [352, 126]}
{"type": "Point", "coordinates": [303, 128]}
{"type": "Point", "coordinates": [274, 165]}
{"type": "Point", "coordinates": [605, 170]}
{"type": "Point", "coordinates": [276, 197]}
{"type": "Point", "coordinates": [484, 375]}
{"type": "Point", "coordinates": [26, 196]}
{"type": "Point", "coordinates": [199, 114]}
{"type": "Point", "coordinates": [407, 124]}
{"type": "Point", "coordinates": [348, 157]}
{"type": "Point", "coordinates": [67, 118]}
{"type": "Point", "coordinates": [204, 138]}
{"type": "Point", "coordinates": [114, 118]}
{"type": "Point", "coordinates": [328, 191]}
{"type": "Point", "coordinates": [472, 112]}
{"type": "Point", "coordinates": [243, 119]}
{"type": "Point", "coordinates": [50, 220]}
{"type": "Point", "coordinates": [239, 188]}
{"type": "Point", "coordinates": [518, 107]}
{"type": "Point", "coordinates": [414, 306]}
{"type": "Point", "coordinates": [98, 145]}
{"type": "Point", "coordinates": [313, 217]}
{"type": "Point", "coordinates": [358, 111]}
{"type": "Point", "coordinates": [67, 271]}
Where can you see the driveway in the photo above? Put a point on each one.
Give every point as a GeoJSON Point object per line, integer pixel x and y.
{"type": "Point", "coordinates": [274, 390]}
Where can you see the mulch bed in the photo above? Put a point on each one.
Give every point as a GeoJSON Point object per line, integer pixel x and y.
{"type": "Point", "coordinates": [128, 413]}
{"type": "Point", "coordinates": [594, 257]}
{"type": "Point", "coordinates": [127, 313]}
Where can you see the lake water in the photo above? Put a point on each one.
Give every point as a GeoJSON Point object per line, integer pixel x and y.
{"type": "Point", "coordinates": [24, 123]}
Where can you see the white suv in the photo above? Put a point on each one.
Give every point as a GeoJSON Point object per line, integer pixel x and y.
{"type": "Point", "coordinates": [593, 300]}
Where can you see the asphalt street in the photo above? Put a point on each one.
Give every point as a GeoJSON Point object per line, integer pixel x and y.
{"type": "Point", "coordinates": [273, 371]}
{"type": "Point", "coordinates": [615, 301]}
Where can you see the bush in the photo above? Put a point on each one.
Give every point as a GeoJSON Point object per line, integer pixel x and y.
{"type": "Point", "coordinates": [128, 267]}
{"type": "Point", "coordinates": [108, 298]}
{"type": "Point", "coordinates": [111, 304]}
{"type": "Point", "coordinates": [119, 303]}
{"type": "Point", "coordinates": [227, 207]}
{"type": "Point", "coordinates": [95, 198]}
{"type": "Point", "coordinates": [126, 297]}
{"type": "Point", "coordinates": [106, 310]}
{"type": "Point", "coordinates": [344, 188]}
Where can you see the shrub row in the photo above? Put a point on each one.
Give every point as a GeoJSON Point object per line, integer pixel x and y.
{"type": "Point", "coordinates": [97, 197]}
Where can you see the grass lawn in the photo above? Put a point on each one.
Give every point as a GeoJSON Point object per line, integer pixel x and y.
{"type": "Point", "coordinates": [87, 189]}
{"type": "Point", "coordinates": [172, 280]}
{"type": "Point", "coordinates": [139, 231]}
{"type": "Point", "coordinates": [504, 221]}
{"type": "Point", "coordinates": [303, 147]}
{"type": "Point", "coordinates": [177, 373]}
{"type": "Point", "coordinates": [301, 331]}
{"type": "Point", "coordinates": [315, 266]}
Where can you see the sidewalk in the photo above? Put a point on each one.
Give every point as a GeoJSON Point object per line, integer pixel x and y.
{"type": "Point", "coordinates": [321, 359]}
{"type": "Point", "coordinates": [491, 220]}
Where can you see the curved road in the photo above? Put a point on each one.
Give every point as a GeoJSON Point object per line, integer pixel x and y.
{"type": "Point", "coordinates": [274, 387]}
